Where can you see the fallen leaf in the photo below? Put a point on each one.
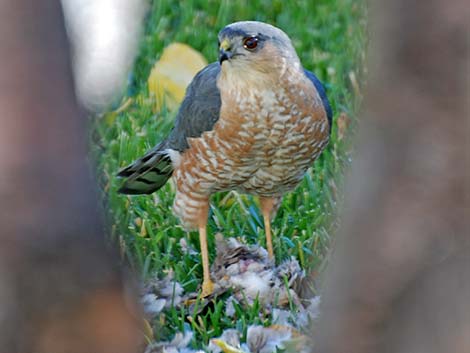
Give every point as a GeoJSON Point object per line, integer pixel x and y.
{"type": "Point", "coordinates": [172, 74]}
{"type": "Point", "coordinates": [225, 347]}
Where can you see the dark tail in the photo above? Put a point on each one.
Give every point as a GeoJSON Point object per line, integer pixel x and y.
{"type": "Point", "coordinates": [147, 174]}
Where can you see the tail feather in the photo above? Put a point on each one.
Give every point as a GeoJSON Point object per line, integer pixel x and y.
{"type": "Point", "coordinates": [147, 174]}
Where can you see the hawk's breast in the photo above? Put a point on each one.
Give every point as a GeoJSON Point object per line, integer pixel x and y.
{"type": "Point", "coordinates": [270, 138]}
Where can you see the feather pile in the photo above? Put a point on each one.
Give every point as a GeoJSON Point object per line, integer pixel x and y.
{"type": "Point", "coordinates": [243, 274]}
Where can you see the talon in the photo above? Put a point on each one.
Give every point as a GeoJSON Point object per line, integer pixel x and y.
{"type": "Point", "coordinates": [207, 288]}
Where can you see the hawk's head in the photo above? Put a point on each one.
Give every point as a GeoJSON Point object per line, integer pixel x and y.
{"type": "Point", "coordinates": [252, 47]}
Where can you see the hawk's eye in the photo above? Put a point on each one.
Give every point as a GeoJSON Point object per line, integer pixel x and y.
{"type": "Point", "coordinates": [250, 43]}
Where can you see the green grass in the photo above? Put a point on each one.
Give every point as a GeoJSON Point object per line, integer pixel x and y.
{"type": "Point", "coordinates": [329, 36]}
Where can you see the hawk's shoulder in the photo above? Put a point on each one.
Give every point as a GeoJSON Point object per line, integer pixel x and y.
{"type": "Point", "coordinates": [199, 110]}
{"type": "Point", "coordinates": [322, 93]}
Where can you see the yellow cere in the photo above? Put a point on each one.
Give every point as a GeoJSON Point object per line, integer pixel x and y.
{"type": "Point", "coordinates": [225, 45]}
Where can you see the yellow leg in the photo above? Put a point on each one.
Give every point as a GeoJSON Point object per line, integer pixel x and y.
{"type": "Point", "coordinates": [267, 204]}
{"type": "Point", "coordinates": [207, 284]}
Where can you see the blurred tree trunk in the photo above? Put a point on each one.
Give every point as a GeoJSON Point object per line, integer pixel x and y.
{"type": "Point", "coordinates": [61, 289]}
{"type": "Point", "coordinates": [399, 279]}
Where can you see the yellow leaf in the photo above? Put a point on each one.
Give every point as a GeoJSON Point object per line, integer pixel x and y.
{"type": "Point", "coordinates": [111, 116]}
{"type": "Point", "coordinates": [148, 331]}
{"type": "Point", "coordinates": [172, 74]}
{"type": "Point", "coordinates": [143, 230]}
{"type": "Point", "coordinates": [225, 347]}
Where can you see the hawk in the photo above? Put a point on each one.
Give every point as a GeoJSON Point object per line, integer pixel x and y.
{"type": "Point", "coordinates": [254, 122]}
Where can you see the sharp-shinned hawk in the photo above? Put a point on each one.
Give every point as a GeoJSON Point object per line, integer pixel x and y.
{"type": "Point", "coordinates": [254, 122]}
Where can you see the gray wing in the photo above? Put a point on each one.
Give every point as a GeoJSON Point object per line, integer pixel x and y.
{"type": "Point", "coordinates": [199, 110]}
{"type": "Point", "coordinates": [322, 93]}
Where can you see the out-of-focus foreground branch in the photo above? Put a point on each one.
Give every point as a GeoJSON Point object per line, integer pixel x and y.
{"type": "Point", "coordinates": [399, 280]}
{"type": "Point", "coordinates": [60, 287]}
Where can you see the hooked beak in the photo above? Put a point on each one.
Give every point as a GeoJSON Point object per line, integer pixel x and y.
{"type": "Point", "coordinates": [224, 55]}
{"type": "Point", "coordinates": [224, 51]}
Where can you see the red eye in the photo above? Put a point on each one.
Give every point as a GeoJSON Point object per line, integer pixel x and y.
{"type": "Point", "coordinates": [250, 43]}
